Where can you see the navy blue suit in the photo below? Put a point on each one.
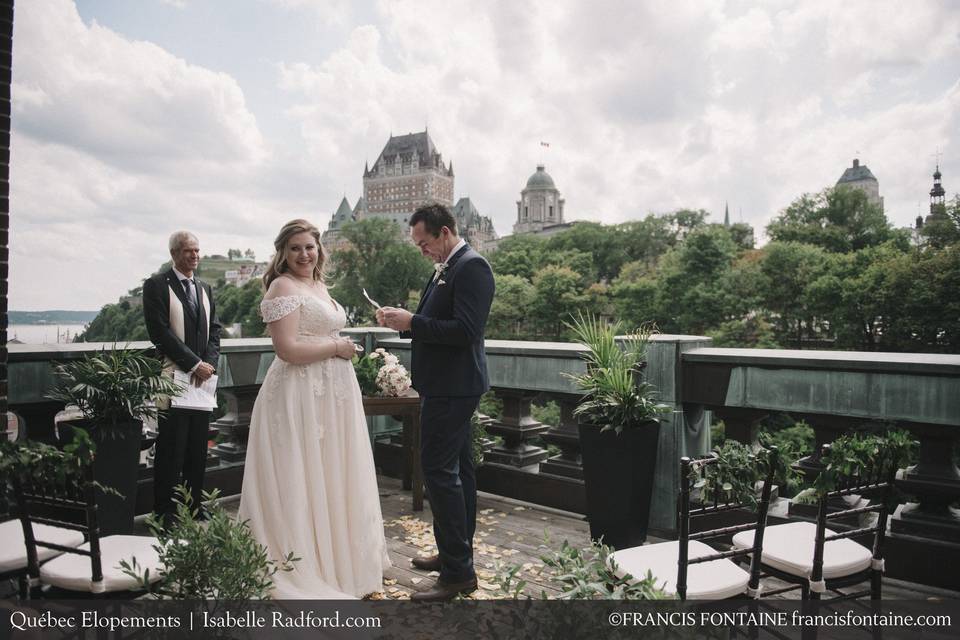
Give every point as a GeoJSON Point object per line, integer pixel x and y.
{"type": "Point", "coordinates": [449, 370]}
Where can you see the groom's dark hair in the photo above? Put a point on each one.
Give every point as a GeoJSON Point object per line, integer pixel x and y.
{"type": "Point", "coordinates": [434, 217]}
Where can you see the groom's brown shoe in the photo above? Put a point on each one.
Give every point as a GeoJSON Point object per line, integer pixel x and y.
{"type": "Point", "coordinates": [431, 563]}
{"type": "Point", "coordinates": [443, 591]}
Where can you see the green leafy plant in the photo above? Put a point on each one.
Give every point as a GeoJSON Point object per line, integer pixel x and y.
{"type": "Point", "coordinates": [114, 387]}
{"type": "Point", "coordinates": [850, 455]}
{"type": "Point", "coordinates": [792, 443]}
{"type": "Point", "coordinates": [581, 574]}
{"type": "Point", "coordinates": [615, 394]}
{"type": "Point", "coordinates": [737, 473]}
{"type": "Point", "coordinates": [366, 370]}
{"type": "Point", "coordinates": [216, 560]}
{"type": "Point", "coordinates": [42, 464]}
{"type": "Point", "coordinates": [480, 439]}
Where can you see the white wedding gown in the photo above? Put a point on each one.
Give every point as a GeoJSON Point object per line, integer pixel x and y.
{"type": "Point", "coordinates": [309, 485]}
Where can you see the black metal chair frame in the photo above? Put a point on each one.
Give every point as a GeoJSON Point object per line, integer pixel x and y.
{"type": "Point", "coordinates": [71, 505]}
{"type": "Point", "coordinates": [685, 514]}
{"type": "Point", "coordinates": [878, 481]}
{"type": "Point", "coordinates": [21, 575]}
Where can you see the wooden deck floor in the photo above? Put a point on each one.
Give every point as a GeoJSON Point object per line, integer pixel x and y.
{"type": "Point", "coordinates": [511, 532]}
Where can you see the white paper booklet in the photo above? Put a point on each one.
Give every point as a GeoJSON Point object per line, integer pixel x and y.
{"type": "Point", "coordinates": [202, 398]}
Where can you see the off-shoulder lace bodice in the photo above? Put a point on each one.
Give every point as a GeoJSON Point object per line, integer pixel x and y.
{"type": "Point", "coordinates": [318, 318]}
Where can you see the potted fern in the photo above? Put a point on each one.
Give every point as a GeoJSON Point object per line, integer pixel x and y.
{"type": "Point", "coordinates": [112, 392]}
{"type": "Point", "coordinates": [619, 426]}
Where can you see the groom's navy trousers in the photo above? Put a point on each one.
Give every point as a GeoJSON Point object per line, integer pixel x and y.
{"type": "Point", "coordinates": [449, 370]}
{"type": "Point", "coordinates": [446, 449]}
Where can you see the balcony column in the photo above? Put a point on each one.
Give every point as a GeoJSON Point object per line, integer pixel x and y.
{"type": "Point", "coordinates": [516, 426]}
{"type": "Point", "coordinates": [566, 436]}
{"type": "Point", "coordinates": [240, 377]}
{"type": "Point", "coordinates": [741, 424]}
{"type": "Point", "coordinates": [935, 482]}
{"type": "Point", "coordinates": [826, 429]}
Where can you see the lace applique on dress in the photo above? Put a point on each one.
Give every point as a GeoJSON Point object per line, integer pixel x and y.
{"type": "Point", "coordinates": [276, 308]}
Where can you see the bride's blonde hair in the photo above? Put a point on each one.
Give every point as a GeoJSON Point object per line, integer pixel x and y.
{"type": "Point", "coordinates": [278, 263]}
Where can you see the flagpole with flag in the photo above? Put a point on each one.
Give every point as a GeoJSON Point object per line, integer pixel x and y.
{"type": "Point", "coordinates": [542, 145]}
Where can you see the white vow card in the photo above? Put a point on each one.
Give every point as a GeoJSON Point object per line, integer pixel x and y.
{"type": "Point", "coordinates": [202, 398]}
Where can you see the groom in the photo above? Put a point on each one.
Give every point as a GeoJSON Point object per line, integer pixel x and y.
{"type": "Point", "coordinates": [449, 370]}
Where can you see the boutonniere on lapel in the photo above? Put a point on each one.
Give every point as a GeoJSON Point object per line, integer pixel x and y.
{"type": "Point", "coordinates": [438, 270]}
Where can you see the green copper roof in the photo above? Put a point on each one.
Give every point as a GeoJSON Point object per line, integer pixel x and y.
{"type": "Point", "coordinates": [540, 180]}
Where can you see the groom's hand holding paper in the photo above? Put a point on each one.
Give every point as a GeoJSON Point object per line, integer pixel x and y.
{"type": "Point", "coordinates": [397, 319]}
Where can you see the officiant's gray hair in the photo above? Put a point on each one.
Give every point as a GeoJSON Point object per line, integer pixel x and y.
{"type": "Point", "coordinates": [177, 238]}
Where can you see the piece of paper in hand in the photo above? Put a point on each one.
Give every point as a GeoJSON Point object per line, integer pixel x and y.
{"type": "Point", "coordinates": [370, 300]}
{"type": "Point", "coordinates": [202, 398]}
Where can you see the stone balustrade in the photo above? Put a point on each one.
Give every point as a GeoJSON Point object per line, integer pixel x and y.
{"type": "Point", "coordinates": [833, 391]}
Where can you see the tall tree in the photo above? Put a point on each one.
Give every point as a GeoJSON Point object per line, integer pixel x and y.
{"type": "Point", "coordinates": [788, 268]}
{"type": "Point", "coordinates": [511, 309]}
{"type": "Point", "coordinates": [840, 220]}
{"type": "Point", "coordinates": [378, 259]}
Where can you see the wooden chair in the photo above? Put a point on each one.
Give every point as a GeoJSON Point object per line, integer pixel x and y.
{"type": "Point", "coordinates": [703, 573]}
{"type": "Point", "coordinates": [816, 558]}
{"type": "Point", "coordinates": [87, 568]}
{"type": "Point", "coordinates": [14, 560]}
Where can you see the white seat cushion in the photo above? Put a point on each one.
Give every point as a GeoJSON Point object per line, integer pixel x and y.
{"type": "Point", "coordinates": [13, 549]}
{"type": "Point", "coordinates": [72, 572]}
{"type": "Point", "coordinates": [714, 580]}
{"type": "Point", "coordinates": [789, 548]}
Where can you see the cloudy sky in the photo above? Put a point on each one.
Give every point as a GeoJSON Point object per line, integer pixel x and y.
{"type": "Point", "coordinates": [134, 118]}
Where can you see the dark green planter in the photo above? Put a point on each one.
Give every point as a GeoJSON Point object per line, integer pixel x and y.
{"type": "Point", "coordinates": [618, 472]}
{"type": "Point", "coordinates": [116, 464]}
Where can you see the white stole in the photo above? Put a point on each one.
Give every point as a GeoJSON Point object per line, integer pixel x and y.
{"type": "Point", "coordinates": [177, 326]}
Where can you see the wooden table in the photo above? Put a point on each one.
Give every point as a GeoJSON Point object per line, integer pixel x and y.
{"type": "Point", "coordinates": [407, 410]}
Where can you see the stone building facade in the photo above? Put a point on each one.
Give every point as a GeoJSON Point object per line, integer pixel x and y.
{"type": "Point", "coordinates": [540, 207]}
{"type": "Point", "coordinates": [860, 177]}
{"type": "Point", "coordinates": [473, 227]}
{"type": "Point", "coordinates": [409, 173]}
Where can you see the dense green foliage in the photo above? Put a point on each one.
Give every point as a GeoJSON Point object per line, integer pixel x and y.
{"type": "Point", "coordinates": [379, 260]}
{"type": "Point", "coordinates": [114, 387]}
{"type": "Point", "coordinates": [834, 274]}
{"type": "Point", "coordinates": [215, 561]}
{"type": "Point", "coordinates": [615, 395]}
{"type": "Point", "coordinates": [580, 574]}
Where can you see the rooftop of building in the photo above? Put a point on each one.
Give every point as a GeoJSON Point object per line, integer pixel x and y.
{"type": "Point", "coordinates": [857, 173]}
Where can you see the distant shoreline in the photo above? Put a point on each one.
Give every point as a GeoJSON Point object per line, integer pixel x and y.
{"type": "Point", "coordinates": [51, 317]}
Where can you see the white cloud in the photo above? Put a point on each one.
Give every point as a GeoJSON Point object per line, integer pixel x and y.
{"type": "Point", "coordinates": [647, 106]}
{"type": "Point", "coordinates": [116, 143]}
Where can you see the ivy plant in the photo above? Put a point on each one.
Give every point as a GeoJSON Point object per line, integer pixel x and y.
{"type": "Point", "coordinates": [851, 455]}
{"type": "Point", "coordinates": [581, 574]}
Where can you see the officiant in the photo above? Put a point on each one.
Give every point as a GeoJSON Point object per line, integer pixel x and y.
{"type": "Point", "coordinates": [181, 320]}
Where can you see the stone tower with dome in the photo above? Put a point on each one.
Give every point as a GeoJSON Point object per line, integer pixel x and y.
{"type": "Point", "coordinates": [540, 206]}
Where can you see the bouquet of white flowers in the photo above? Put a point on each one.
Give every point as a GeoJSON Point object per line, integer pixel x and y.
{"type": "Point", "coordinates": [392, 378]}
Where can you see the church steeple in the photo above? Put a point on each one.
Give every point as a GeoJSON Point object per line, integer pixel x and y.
{"type": "Point", "coordinates": [938, 204]}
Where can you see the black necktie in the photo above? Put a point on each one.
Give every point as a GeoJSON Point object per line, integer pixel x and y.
{"type": "Point", "coordinates": [191, 299]}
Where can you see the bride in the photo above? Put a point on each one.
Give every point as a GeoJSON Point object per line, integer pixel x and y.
{"type": "Point", "coordinates": [309, 485]}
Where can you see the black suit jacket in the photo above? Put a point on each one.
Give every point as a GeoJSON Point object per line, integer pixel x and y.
{"type": "Point", "coordinates": [447, 356]}
{"type": "Point", "coordinates": [201, 335]}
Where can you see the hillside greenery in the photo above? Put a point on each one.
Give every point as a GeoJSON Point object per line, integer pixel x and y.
{"type": "Point", "coordinates": [834, 274]}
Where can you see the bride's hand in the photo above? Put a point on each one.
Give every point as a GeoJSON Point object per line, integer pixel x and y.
{"type": "Point", "coordinates": [345, 348]}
